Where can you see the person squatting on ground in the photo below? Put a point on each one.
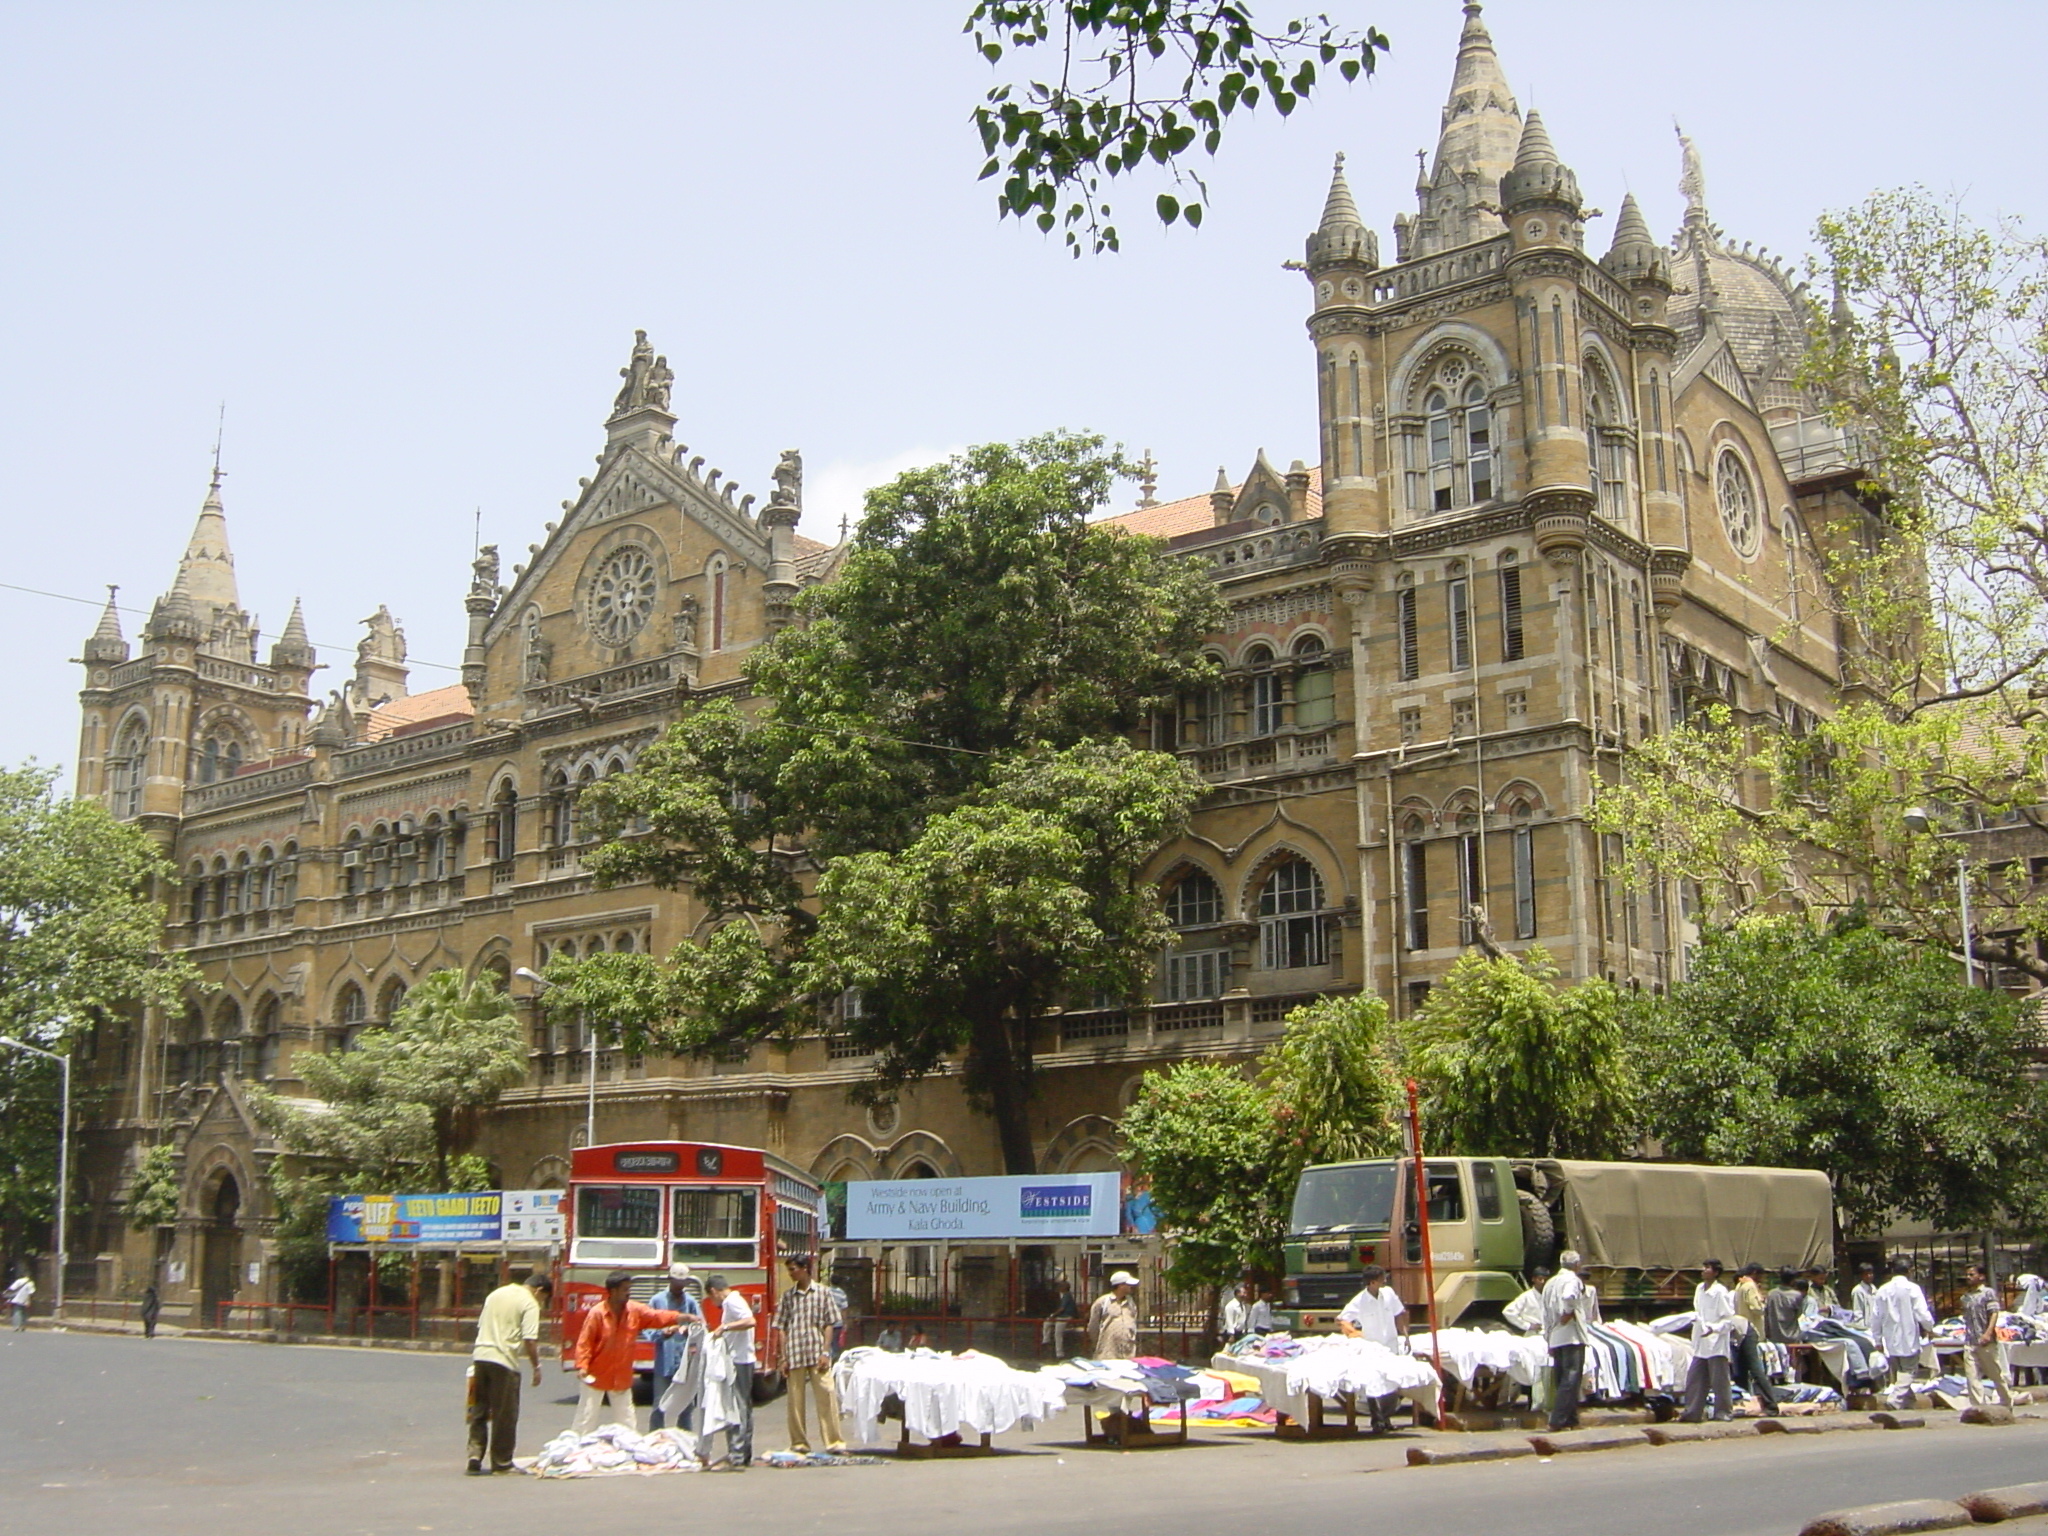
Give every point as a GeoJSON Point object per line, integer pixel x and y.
{"type": "Point", "coordinates": [1378, 1315]}
{"type": "Point", "coordinates": [805, 1318]}
{"type": "Point", "coordinates": [736, 1330]}
{"type": "Point", "coordinates": [508, 1326]}
{"type": "Point", "coordinates": [1564, 1299]}
{"type": "Point", "coordinates": [603, 1358]}
{"type": "Point", "coordinates": [1982, 1360]}
{"type": "Point", "coordinates": [1713, 1329]}
{"type": "Point", "coordinates": [672, 1346]}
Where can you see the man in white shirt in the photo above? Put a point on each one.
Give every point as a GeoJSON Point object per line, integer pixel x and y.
{"type": "Point", "coordinates": [1260, 1318]}
{"type": "Point", "coordinates": [1713, 1332]}
{"type": "Point", "coordinates": [1901, 1320]}
{"type": "Point", "coordinates": [1564, 1300]}
{"type": "Point", "coordinates": [736, 1328]}
{"type": "Point", "coordinates": [1376, 1314]}
{"type": "Point", "coordinates": [1863, 1299]}
{"type": "Point", "coordinates": [1525, 1312]}
{"type": "Point", "coordinates": [1234, 1313]}
{"type": "Point", "coordinates": [19, 1295]}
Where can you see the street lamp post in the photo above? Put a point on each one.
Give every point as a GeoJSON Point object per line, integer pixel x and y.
{"type": "Point", "coordinates": [1920, 819]}
{"type": "Point", "coordinates": [542, 984]}
{"type": "Point", "coordinates": [63, 1164]}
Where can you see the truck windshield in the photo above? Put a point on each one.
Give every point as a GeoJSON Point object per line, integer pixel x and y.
{"type": "Point", "coordinates": [1352, 1195]}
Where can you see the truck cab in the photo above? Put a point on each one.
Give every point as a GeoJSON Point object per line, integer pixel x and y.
{"type": "Point", "coordinates": [1349, 1215]}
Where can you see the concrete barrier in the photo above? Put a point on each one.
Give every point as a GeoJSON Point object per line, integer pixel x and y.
{"type": "Point", "coordinates": [1567, 1441]}
{"type": "Point", "coordinates": [1681, 1434]}
{"type": "Point", "coordinates": [1989, 1413]}
{"type": "Point", "coordinates": [1423, 1456]}
{"type": "Point", "coordinates": [2014, 1503]}
{"type": "Point", "coordinates": [1901, 1518]}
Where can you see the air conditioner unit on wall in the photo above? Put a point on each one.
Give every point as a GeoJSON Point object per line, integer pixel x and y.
{"type": "Point", "coordinates": [405, 850]}
{"type": "Point", "coordinates": [352, 859]}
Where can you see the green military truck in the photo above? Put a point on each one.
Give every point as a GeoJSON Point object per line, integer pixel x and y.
{"type": "Point", "coordinates": [1642, 1228]}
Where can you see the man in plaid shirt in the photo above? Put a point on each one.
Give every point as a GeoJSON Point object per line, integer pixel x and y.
{"type": "Point", "coordinates": [805, 1315]}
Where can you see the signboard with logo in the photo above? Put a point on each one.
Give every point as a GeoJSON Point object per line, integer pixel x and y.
{"type": "Point", "coordinates": [417, 1220]}
{"type": "Point", "coordinates": [535, 1216]}
{"type": "Point", "coordinates": [1025, 1208]}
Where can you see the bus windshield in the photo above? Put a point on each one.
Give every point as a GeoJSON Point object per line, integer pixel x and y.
{"type": "Point", "coordinates": [613, 1210]}
{"type": "Point", "coordinates": [1347, 1196]}
{"type": "Point", "coordinates": [714, 1226]}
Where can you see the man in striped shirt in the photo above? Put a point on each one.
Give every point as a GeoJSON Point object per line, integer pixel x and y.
{"type": "Point", "coordinates": [805, 1315]}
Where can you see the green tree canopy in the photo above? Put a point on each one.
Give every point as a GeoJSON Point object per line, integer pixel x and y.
{"type": "Point", "coordinates": [1853, 1052]}
{"type": "Point", "coordinates": [79, 943]}
{"type": "Point", "coordinates": [1510, 1063]}
{"type": "Point", "coordinates": [1141, 84]}
{"type": "Point", "coordinates": [401, 1104]}
{"type": "Point", "coordinates": [1220, 1150]}
{"type": "Point", "coordinates": [934, 807]}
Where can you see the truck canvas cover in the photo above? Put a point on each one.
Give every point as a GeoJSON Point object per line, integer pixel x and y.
{"type": "Point", "coordinates": [1672, 1215]}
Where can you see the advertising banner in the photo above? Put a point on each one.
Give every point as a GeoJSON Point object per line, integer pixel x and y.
{"type": "Point", "coordinates": [1026, 1208]}
{"type": "Point", "coordinates": [417, 1220]}
{"type": "Point", "coordinates": [535, 1216]}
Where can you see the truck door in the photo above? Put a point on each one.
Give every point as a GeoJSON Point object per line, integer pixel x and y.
{"type": "Point", "coordinates": [1450, 1227]}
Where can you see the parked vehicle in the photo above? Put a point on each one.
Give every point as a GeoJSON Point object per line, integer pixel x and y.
{"type": "Point", "coordinates": [1642, 1228]}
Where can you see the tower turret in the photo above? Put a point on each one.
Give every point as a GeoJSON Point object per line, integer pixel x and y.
{"type": "Point", "coordinates": [293, 650]}
{"type": "Point", "coordinates": [107, 644]}
{"type": "Point", "coordinates": [1458, 202]}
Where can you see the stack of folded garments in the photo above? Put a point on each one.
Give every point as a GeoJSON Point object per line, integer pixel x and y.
{"type": "Point", "coordinates": [613, 1450]}
{"type": "Point", "coordinates": [942, 1394]}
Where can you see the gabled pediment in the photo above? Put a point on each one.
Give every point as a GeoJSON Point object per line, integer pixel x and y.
{"type": "Point", "coordinates": [1713, 358]}
{"type": "Point", "coordinates": [632, 483]}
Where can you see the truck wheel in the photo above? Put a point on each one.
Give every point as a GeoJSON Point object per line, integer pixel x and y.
{"type": "Point", "coordinates": [1539, 1233]}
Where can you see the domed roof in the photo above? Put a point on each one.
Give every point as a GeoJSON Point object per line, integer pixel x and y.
{"type": "Point", "coordinates": [1759, 308]}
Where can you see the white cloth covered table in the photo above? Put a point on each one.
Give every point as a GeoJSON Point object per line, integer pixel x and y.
{"type": "Point", "coordinates": [942, 1394]}
{"type": "Point", "coordinates": [1343, 1366]}
{"type": "Point", "coordinates": [1466, 1351]}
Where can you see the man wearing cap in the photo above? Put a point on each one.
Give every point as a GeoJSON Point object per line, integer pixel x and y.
{"type": "Point", "coordinates": [1113, 1320]}
{"type": "Point", "coordinates": [604, 1354]}
{"type": "Point", "coordinates": [508, 1326]}
{"type": "Point", "coordinates": [805, 1315]}
{"type": "Point", "coordinates": [736, 1329]}
{"type": "Point", "coordinates": [672, 1346]}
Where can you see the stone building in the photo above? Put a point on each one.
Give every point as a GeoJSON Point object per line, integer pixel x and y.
{"type": "Point", "coordinates": [1559, 500]}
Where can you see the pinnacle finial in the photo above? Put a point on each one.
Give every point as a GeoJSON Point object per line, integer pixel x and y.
{"type": "Point", "coordinates": [1535, 148]}
{"type": "Point", "coordinates": [1692, 177]}
{"type": "Point", "coordinates": [1222, 481]}
{"type": "Point", "coordinates": [1339, 209]}
{"type": "Point", "coordinates": [107, 642]}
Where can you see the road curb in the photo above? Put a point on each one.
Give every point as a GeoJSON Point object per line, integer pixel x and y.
{"type": "Point", "coordinates": [1900, 1518]}
{"type": "Point", "coordinates": [1684, 1434]}
{"type": "Point", "coordinates": [1812, 1426]}
{"type": "Point", "coordinates": [2017, 1502]}
{"type": "Point", "coordinates": [1570, 1441]}
{"type": "Point", "coordinates": [1422, 1456]}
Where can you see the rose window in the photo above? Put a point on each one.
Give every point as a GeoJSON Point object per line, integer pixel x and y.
{"type": "Point", "coordinates": [622, 596]}
{"type": "Point", "coordinates": [1736, 493]}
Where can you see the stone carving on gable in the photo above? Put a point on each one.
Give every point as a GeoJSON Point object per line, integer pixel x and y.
{"type": "Point", "coordinates": [538, 653]}
{"type": "Point", "coordinates": [789, 480]}
{"type": "Point", "coordinates": [686, 624]}
{"type": "Point", "coordinates": [483, 571]}
{"type": "Point", "coordinates": [647, 377]}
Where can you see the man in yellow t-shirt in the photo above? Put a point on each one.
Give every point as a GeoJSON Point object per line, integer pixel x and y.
{"type": "Point", "coordinates": [508, 1326]}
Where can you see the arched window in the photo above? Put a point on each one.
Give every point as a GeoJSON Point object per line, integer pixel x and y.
{"type": "Point", "coordinates": [561, 810]}
{"type": "Point", "coordinates": [504, 823]}
{"type": "Point", "coordinates": [223, 890]}
{"type": "Point", "coordinates": [1606, 443]}
{"type": "Point", "coordinates": [265, 895]}
{"type": "Point", "coordinates": [350, 1011]}
{"type": "Point", "coordinates": [269, 1026]}
{"type": "Point", "coordinates": [1193, 900]}
{"type": "Point", "coordinates": [583, 781]}
{"type": "Point", "coordinates": [1451, 463]}
{"type": "Point", "coordinates": [1315, 685]}
{"type": "Point", "coordinates": [354, 876]}
{"type": "Point", "coordinates": [390, 1000]}
{"type": "Point", "coordinates": [715, 573]}
{"type": "Point", "coordinates": [1265, 691]}
{"type": "Point", "coordinates": [126, 768]}
{"type": "Point", "coordinates": [244, 884]}
{"type": "Point", "coordinates": [288, 877]}
{"type": "Point", "coordinates": [1292, 932]}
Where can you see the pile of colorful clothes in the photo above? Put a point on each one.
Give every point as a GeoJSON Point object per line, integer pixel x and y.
{"type": "Point", "coordinates": [1160, 1381]}
{"type": "Point", "coordinates": [616, 1451]}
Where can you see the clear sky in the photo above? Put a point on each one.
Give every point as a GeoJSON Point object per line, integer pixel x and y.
{"type": "Point", "coordinates": [408, 244]}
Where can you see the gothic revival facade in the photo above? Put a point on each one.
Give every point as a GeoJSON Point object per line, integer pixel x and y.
{"type": "Point", "coordinates": [1561, 500]}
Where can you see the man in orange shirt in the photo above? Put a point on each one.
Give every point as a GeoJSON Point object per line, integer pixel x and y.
{"type": "Point", "coordinates": [604, 1354]}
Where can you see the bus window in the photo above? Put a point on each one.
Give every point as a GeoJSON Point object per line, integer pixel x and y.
{"type": "Point", "coordinates": [617, 1224]}
{"type": "Point", "coordinates": [714, 1226]}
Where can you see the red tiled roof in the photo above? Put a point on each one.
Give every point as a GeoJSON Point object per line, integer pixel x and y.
{"type": "Point", "coordinates": [418, 712]}
{"type": "Point", "coordinates": [1191, 514]}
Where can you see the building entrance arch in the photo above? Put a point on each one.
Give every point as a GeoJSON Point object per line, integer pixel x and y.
{"type": "Point", "coordinates": [220, 1250]}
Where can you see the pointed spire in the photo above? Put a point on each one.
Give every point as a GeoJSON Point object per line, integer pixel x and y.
{"type": "Point", "coordinates": [1538, 176]}
{"type": "Point", "coordinates": [1338, 208]}
{"type": "Point", "coordinates": [208, 568]}
{"type": "Point", "coordinates": [294, 648]}
{"type": "Point", "coordinates": [1634, 255]}
{"type": "Point", "coordinates": [1223, 499]}
{"type": "Point", "coordinates": [1457, 197]}
{"type": "Point", "coordinates": [108, 644]}
{"type": "Point", "coordinates": [1342, 236]}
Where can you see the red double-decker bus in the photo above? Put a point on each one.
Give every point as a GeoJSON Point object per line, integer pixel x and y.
{"type": "Point", "coordinates": [644, 1205]}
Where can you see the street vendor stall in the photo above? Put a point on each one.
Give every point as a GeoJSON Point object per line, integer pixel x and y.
{"type": "Point", "coordinates": [1299, 1377]}
{"type": "Point", "coordinates": [941, 1397]}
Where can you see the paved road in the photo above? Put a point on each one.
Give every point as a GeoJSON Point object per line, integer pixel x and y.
{"type": "Point", "coordinates": [111, 1434]}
